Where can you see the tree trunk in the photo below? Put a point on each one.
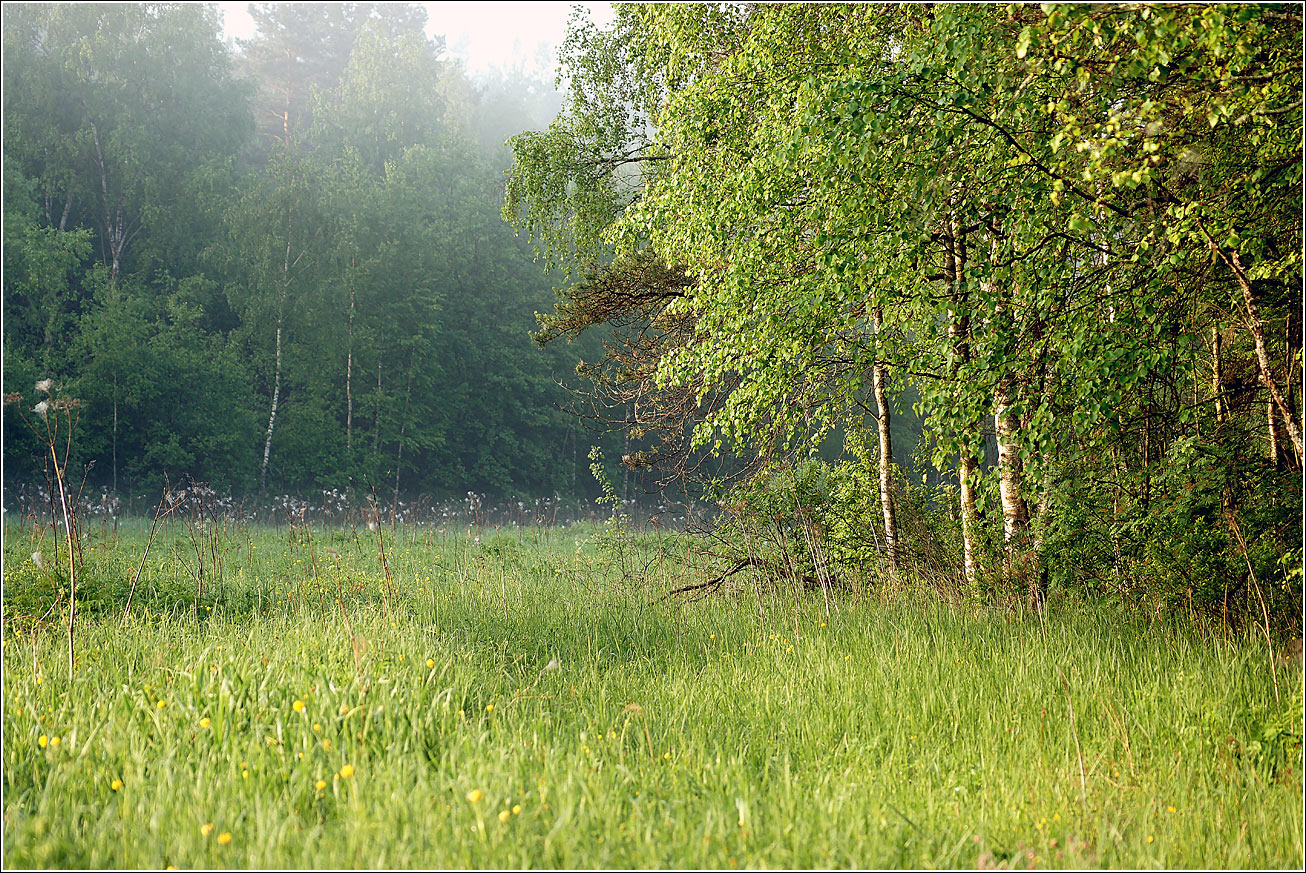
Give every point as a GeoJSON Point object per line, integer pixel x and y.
{"type": "Point", "coordinates": [349, 382]}
{"type": "Point", "coordinates": [1292, 354]}
{"type": "Point", "coordinates": [1147, 451]}
{"type": "Point", "coordinates": [115, 432]}
{"type": "Point", "coordinates": [880, 379]}
{"type": "Point", "coordinates": [1274, 433]}
{"type": "Point", "coordinates": [67, 208]}
{"type": "Point", "coordinates": [954, 256]}
{"type": "Point", "coordinates": [968, 466]}
{"type": "Point", "coordinates": [376, 416]}
{"type": "Point", "coordinates": [1257, 328]}
{"type": "Point", "coordinates": [1020, 555]}
{"type": "Point", "coordinates": [272, 417]}
{"type": "Point", "coordinates": [1038, 582]}
{"type": "Point", "coordinates": [1217, 377]}
{"type": "Point", "coordinates": [285, 115]}
{"type": "Point", "coordinates": [625, 467]}
{"type": "Point", "coordinates": [1011, 470]}
{"type": "Point", "coordinates": [111, 230]}
{"type": "Point", "coordinates": [403, 428]}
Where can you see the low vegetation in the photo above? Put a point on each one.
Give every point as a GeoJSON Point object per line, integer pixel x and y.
{"type": "Point", "coordinates": [513, 699]}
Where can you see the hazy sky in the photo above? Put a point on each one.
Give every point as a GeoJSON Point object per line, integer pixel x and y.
{"type": "Point", "coordinates": [483, 34]}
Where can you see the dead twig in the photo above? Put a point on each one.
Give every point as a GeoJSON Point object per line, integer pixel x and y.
{"type": "Point", "coordinates": [159, 514]}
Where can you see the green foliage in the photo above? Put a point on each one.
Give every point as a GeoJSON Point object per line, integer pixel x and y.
{"type": "Point", "coordinates": [120, 113]}
{"type": "Point", "coordinates": [1171, 538]}
{"type": "Point", "coordinates": [1037, 217]}
{"type": "Point", "coordinates": [363, 228]}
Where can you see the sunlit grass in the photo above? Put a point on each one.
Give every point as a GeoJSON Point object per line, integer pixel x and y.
{"type": "Point", "coordinates": [311, 713]}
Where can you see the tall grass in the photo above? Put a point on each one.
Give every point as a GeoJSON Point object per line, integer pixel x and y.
{"type": "Point", "coordinates": [744, 730]}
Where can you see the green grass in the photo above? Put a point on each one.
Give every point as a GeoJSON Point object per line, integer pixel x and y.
{"type": "Point", "coordinates": [743, 730]}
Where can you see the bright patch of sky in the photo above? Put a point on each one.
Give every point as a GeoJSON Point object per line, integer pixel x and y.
{"type": "Point", "coordinates": [484, 35]}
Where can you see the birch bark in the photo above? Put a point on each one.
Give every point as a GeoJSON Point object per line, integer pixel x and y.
{"type": "Point", "coordinates": [880, 380]}
{"type": "Point", "coordinates": [967, 464]}
{"type": "Point", "coordinates": [272, 416]}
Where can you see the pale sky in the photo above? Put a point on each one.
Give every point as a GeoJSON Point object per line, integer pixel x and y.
{"type": "Point", "coordinates": [484, 35]}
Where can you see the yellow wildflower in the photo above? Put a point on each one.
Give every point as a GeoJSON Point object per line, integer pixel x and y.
{"type": "Point", "coordinates": [430, 662]}
{"type": "Point", "coordinates": [206, 828]}
{"type": "Point", "coordinates": [505, 815]}
{"type": "Point", "coordinates": [297, 706]}
{"type": "Point", "coordinates": [116, 784]}
{"type": "Point", "coordinates": [475, 795]}
{"type": "Point", "coordinates": [204, 722]}
{"type": "Point", "coordinates": [320, 784]}
{"type": "Point", "coordinates": [42, 741]}
{"type": "Point", "coordinates": [346, 771]}
{"type": "Point", "coordinates": [516, 809]}
{"type": "Point", "coordinates": [224, 838]}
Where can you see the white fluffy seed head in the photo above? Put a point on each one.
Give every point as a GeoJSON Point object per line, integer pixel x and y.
{"type": "Point", "coordinates": [45, 386]}
{"type": "Point", "coordinates": [42, 408]}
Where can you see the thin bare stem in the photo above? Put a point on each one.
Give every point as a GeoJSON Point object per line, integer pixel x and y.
{"type": "Point", "coordinates": [159, 514]}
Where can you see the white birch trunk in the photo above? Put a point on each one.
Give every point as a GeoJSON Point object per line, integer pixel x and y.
{"type": "Point", "coordinates": [1217, 377]}
{"type": "Point", "coordinates": [1257, 328]}
{"type": "Point", "coordinates": [968, 467]}
{"type": "Point", "coordinates": [1011, 471]}
{"type": "Point", "coordinates": [272, 417]}
{"type": "Point", "coordinates": [1271, 417]}
{"type": "Point", "coordinates": [967, 464]}
{"type": "Point", "coordinates": [880, 379]}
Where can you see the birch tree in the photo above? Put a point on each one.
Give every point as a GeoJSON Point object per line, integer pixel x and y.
{"type": "Point", "coordinates": [1022, 194]}
{"type": "Point", "coordinates": [274, 242]}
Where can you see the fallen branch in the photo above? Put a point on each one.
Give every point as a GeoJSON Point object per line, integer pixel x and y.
{"type": "Point", "coordinates": [716, 582]}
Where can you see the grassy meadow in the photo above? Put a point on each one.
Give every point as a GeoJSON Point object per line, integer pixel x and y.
{"type": "Point", "coordinates": [510, 699]}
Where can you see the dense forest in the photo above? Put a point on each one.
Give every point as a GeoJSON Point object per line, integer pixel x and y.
{"type": "Point", "coordinates": [992, 299]}
{"type": "Point", "coordinates": [1071, 233]}
{"type": "Point", "coordinates": [275, 266]}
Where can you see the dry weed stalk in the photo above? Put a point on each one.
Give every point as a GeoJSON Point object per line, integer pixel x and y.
{"type": "Point", "coordinates": [160, 512]}
{"type": "Point", "coordinates": [57, 414]}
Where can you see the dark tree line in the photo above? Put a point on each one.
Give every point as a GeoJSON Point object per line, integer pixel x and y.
{"type": "Point", "coordinates": [279, 267]}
